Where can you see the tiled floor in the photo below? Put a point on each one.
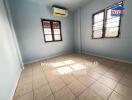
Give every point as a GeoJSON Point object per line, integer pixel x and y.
{"type": "Point", "coordinates": [75, 77]}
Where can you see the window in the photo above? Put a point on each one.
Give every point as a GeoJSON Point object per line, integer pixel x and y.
{"type": "Point", "coordinates": [98, 24]}
{"type": "Point", "coordinates": [104, 25]}
{"type": "Point", "coordinates": [51, 30]}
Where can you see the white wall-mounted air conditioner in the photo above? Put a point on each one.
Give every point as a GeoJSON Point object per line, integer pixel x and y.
{"type": "Point", "coordinates": [60, 12]}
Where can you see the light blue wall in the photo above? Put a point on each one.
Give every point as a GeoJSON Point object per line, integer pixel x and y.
{"type": "Point", "coordinates": [119, 48]}
{"type": "Point", "coordinates": [77, 36]}
{"type": "Point", "coordinates": [10, 63]}
{"type": "Point", "coordinates": [27, 22]}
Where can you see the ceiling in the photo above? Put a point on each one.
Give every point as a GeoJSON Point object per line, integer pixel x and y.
{"type": "Point", "coordinates": [69, 4]}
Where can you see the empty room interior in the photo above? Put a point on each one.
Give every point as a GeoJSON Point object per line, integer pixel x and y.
{"type": "Point", "coordinates": [65, 50]}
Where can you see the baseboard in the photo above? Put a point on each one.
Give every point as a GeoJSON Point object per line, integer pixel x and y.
{"type": "Point", "coordinates": [114, 59]}
{"type": "Point", "coordinates": [15, 86]}
{"type": "Point", "coordinates": [44, 58]}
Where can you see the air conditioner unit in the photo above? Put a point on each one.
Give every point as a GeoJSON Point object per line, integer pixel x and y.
{"type": "Point", "coordinates": [60, 12]}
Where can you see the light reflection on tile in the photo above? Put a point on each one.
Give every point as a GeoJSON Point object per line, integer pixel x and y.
{"type": "Point", "coordinates": [64, 70]}
{"type": "Point", "coordinates": [77, 67]}
{"type": "Point", "coordinates": [69, 62]}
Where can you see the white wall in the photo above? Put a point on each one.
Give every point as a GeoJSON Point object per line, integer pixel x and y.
{"type": "Point", "coordinates": [27, 22]}
{"type": "Point", "coordinates": [10, 64]}
{"type": "Point", "coordinates": [118, 48]}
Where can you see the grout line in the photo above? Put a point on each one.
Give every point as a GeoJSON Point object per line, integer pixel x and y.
{"type": "Point", "coordinates": [32, 84]}
{"type": "Point", "coordinates": [52, 93]}
{"type": "Point", "coordinates": [103, 84]}
{"type": "Point", "coordinates": [17, 87]}
{"type": "Point", "coordinates": [116, 85]}
{"type": "Point", "coordinates": [84, 85]}
{"type": "Point", "coordinates": [67, 86]}
{"type": "Point", "coordinates": [87, 88]}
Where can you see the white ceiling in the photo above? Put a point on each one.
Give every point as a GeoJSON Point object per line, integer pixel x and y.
{"type": "Point", "coordinates": [69, 4]}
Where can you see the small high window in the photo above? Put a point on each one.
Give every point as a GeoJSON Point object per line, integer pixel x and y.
{"type": "Point", "coordinates": [51, 30]}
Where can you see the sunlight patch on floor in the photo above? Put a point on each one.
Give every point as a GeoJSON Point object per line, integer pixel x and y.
{"type": "Point", "coordinates": [64, 70]}
{"type": "Point", "coordinates": [77, 67]}
{"type": "Point", "coordinates": [58, 64]}
{"type": "Point", "coordinates": [69, 66]}
{"type": "Point", "coordinates": [69, 62]}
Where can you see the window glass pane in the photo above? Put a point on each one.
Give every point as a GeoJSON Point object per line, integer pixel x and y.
{"type": "Point", "coordinates": [56, 31]}
{"type": "Point", "coordinates": [56, 25]}
{"type": "Point", "coordinates": [47, 31]}
{"type": "Point", "coordinates": [98, 24]}
{"type": "Point", "coordinates": [116, 19]}
{"type": "Point", "coordinates": [46, 24]}
{"type": "Point", "coordinates": [98, 17]}
{"type": "Point", "coordinates": [57, 37]}
{"type": "Point", "coordinates": [112, 32]}
{"type": "Point", "coordinates": [48, 37]}
{"type": "Point", "coordinates": [109, 14]}
{"type": "Point", "coordinates": [97, 34]}
{"type": "Point", "coordinates": [109, 11]}
{"type": "Point", "coordinates": [98, 28]}
{"type": "Point", "coordinates": [114, 24]}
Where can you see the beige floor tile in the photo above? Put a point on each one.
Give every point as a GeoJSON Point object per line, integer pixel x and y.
{"type": "Point", "coordinates": [77, 87]}
{"type": "Point", "coordinates": [101, 90]}
{"type": "Point", "coordinates": [130, 69]}
{"type": "Point", "coordinates": [94, 74]}
{"type": "Point", "coordinates": [42, 92]}
{"type": "Point", "coordinates": [116, 96]}
{"type": "Point", "coordinates": [51, 97]}
{"type": "Point", "coordinates": [23, 89]}
{"type": "Point", "coordinates": [124, 90]}
{"type": "Point", "coordinates": [87, 71]}
{"type": "Point", "coordinates": [99, 70]}
{"type": "Point", "coordinates": [79, 73]}
{"type": "Point", "coordinates": [86, 80]}
{"type": "Point", "coordinates": [39, 80]}
{"type": "Point", "coordinates": [68, 79]}
{"type": "Point", "coordinates": [38, 74]}
{"type": "Point", "coordinates": [64, 70]}
{"type": "Point", "coordinates": [25, 80]}
{"type": "Point", "coordinates": [38, 83]}
{"type": "Point", "coordinates": [27, 96]}
{"type": "Point", "coordinates": [108, 82]}
{"type": "Point", "coordinates": [76, 98]}
{"type": "Point", "coordinates": [52, 75]}
{"type": "Point", "coordinates": [64, 94]}
{"type": "Point", "coordinates": [57, 85]}
{"type": "Point", "coordinates": [89, 95]}
{"type": "Point", "coordinates": [47, 68]}
{"type": "Point", "coordinates": [26, 75]}
{"type": "Point", "coordinates": [127, 80]}
{"type": "Point", "coordinates": [120, 67]}
{"type": "Point", "coordinates": [114, 75]}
